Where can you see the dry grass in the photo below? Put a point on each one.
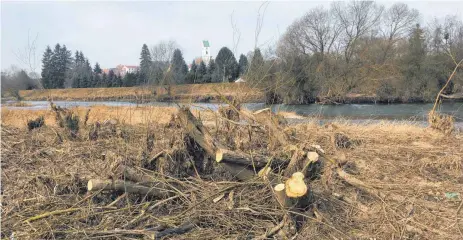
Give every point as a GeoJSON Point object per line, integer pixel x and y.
{"type": "Point", "coordinates": [185, 93]}
{"type": "Point", "coordinates": [126, 115]}
{"type": "Point", "coordinates": [407, 170]}
{"type": "Point", "coordinates": [418, 164]}
{"type": "Point", "coordinates": [441, 122]}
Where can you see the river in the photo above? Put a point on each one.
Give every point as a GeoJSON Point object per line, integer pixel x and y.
{"type": "Point", "coordinates": [354, 112]}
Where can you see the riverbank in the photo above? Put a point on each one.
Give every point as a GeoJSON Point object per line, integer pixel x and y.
{"type": "Point", "coordinates": [213, 92]}
{"type": "Point", "coordinates": [412, 176]}
{"type": "Point", "coordinates": [201, 93]}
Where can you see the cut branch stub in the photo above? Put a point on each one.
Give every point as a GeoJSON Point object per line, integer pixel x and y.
{"type": "Point", "coordinates": [281, 195]}
{"type": "Point", "coordinates": [295, 186]}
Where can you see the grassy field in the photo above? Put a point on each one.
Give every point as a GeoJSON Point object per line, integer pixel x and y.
{"type": "Point", "coordinates": [184, 93]}
{"type": "Point", "coordinates": [412, 179]}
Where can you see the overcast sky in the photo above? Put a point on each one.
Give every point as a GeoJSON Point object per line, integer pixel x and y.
{"type": "Point", "coordinates": [113, 32]}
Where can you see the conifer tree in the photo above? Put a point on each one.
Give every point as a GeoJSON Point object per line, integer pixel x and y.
{"type": "Point", "coordinates": [97, 68]}
{"type": "Point", "coordinates": [243, 64]}
{"type": "Point", "coordinates": [145, 65]}
{"type": "Point", "coordinates": [46, 68]}
{"type": "Point", "coordinates": [201, 72]}
{"type": "Point", "coordinates": [226, 64]}
{"type": "Point", "coordinates": [178, 66]}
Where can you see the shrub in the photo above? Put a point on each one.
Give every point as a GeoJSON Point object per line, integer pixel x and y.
{"type": "Point", "coordinates": [38, 122]}
{"type": "Point", "coordinates": [72, 123]}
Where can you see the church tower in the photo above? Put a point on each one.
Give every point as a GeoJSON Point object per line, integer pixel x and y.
{"type": "Point", "coordinates": [206, 53]}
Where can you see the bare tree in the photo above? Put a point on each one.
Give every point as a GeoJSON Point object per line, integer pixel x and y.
{"type": "Point", "coordinates": [397, 22]}
{"type": "Point", "coordinates": [357, 18]}
{"type": "Point", "coordinates": [315, 32]}
{"type": "Point", "coordinates": [260, 22]}
{"type": "Point", "coordinates": [163, 51]}
{"type": "Point", "coordinates": [27, 57]}
{"type": "Point", "coordinates": [236, 34]}
{"type": "Point", "coordinates": [446, 36]}
{"type": "Point", "coordinates": [161, 55]}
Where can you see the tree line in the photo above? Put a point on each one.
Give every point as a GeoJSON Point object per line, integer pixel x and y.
{"type": "Point", "coordinates": [61, 70]}
{"type": "Point", "coordinates": [155, 68]}
{"type": "Point", "coordinates": [358, 49]}
{"type": "Point", "coordinates": [352, 49]}
{"type": "Point", "coordinates": [164, 64]}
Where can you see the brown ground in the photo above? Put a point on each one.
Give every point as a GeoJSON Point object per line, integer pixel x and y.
{"type": "Point", "coordinates": [415, 174]}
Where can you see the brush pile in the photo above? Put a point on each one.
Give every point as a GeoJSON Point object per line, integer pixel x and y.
{"type": "Point", "coordinates": [246, 176]}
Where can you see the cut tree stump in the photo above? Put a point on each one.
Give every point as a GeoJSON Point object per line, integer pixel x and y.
{"type": "Point", "coordinates": [237, 163]}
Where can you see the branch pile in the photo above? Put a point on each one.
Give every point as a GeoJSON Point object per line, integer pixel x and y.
{"type": "Point", "coordinates": [187, 180]}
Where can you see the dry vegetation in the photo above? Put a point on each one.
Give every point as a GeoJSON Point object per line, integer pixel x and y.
{"type": "Point", "coordinates": [383, 181]}
{"type": "Point", "coordinates": [184, 92]}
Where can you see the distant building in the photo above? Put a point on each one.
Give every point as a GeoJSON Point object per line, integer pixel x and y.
{"type": "Point", "coordinates": [107, 70]}
{"type": "Point", "coordinates": [122, 69]}
{"type": "Point", "coordinates": [206, 56]}
{"type": "Point", "coordinates": [206, 53]}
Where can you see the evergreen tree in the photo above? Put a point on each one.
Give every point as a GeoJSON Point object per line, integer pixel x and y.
{"type": "Point", "coordinates": [194, 67]}
{"type": "Point", "coordinates": [211, 73]}
{"type": "Point", "coordinates": [243, 64]}
{"type": "Point", "coordinates": [178, 67]}
{"type": "Point", "coordinates": [119, 82]}
{"type": "Point", "coordinates": [46, 68]}
{"type": "Point", "coordinates": [201, 72]}
{"type": "Point", "coordinates": [129, 80]}
{"type": "Point", "coordinates": [97, 68]}
{"type": "Point", "coordinates": [76, 75]}
{"type": "Point", "coordinates": [104, 80]}
{"type": "Point", "coordinates": [145, 64]}
{"type": "Point", "coordinates": [257, 60]}
{"type": "Point", "coordinates": [191, 76]}
{"type": "Point", "coordinates": [414, 71]}
{"type": "Point", "coordinates": [54, 68]}
{"type": "Point", "coordinates": [64, 65]}
{"type": "Point", "coordinates": [227, 65]}
{"type": "Point", "coordinates": [76, 82]}
{"type": "Point", "coordinates": [96, 79]}
{"type": "Point", "coordinates": [85, 81]}
{"type": "Point", "coordinates": [111, 79]}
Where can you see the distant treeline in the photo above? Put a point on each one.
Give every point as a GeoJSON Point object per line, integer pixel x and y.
{"type": "Point", "coordinates": [360, 48]}
{"type": "Point", "coordinates": [355, 48]}
{"type": "Point", "coordinates": [62, 70]}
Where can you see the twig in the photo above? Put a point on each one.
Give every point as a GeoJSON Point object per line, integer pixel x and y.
{"type": "Point", "coordinates": [445, 86]}
{"type": "Point", "coordinates": [117, 200]}
{"type": "Point", "coordinates": [47, 214]}
{"type": "Point", "coordinates": [274, 229]}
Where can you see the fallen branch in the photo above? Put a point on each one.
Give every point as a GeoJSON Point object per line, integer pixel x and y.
{"type": "Point", "coordinates": [445, 86]}
{"type": "Point", "coordinates": [370, 190]}
{"type": "Point", "coordinates": [174, 231]}
{"type": "Point", "coordinates": [125, 186]}
{"type": "Point", "coordinates": [47, 214]}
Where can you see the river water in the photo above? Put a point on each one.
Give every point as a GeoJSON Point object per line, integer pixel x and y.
{"type": "Point", "coordinates": [353, 112]}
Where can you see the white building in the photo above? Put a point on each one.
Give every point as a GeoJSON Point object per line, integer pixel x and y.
{"type": "Point", "coordinates": [124, 69]}
{"type": "Point", "coordinates": [206, 56]}
{"type": "Point", "coordinates": [206, 53]}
